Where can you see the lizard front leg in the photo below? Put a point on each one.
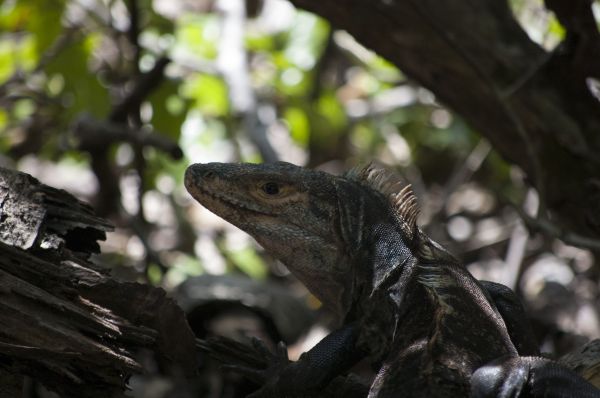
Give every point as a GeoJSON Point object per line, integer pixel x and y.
{"type": "Point", "coordinates": [517, 323]}
{"type": "Point", "coordinates": [332, 356]}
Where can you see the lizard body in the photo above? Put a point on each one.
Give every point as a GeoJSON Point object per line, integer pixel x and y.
{"type": "Point", "coordinates": [406, 303]}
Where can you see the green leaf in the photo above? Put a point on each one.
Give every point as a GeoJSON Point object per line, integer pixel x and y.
{"type": "Point", "coordinates": [45, 26]}
{"type": "Point", "coordinates": [307, 39]}
{"type": "Point", "coordinates": [3, 119]}
{"type": "Point", "coordinates": [256, 42]}
{"type": "Point", "coordinates": [329, 107]}
{"type": "Point", "coordinates": [298, 124]}
{"type": "Point", "coordinates": [183, 267]}
{"type": "Point", "coordinates": [249, 262]}
{"type": "Point", "coordinates": [384, 70]}
{"type": "Point", "coordinates": [23, 108]}
{"type": "Point", "coordinates": [154, 274]}
{"type": "Point", "coordinates": [293, 82]}
{"type": "Point", "coordinates": [82, 89]}
{"type": "Point", "coordinates": [17, 54]}
{"type": "Point", "coordinates": [209, 94]}
{"type": "Point", "coordinates": [197, 35]}
{"type": "Point", "coordinates": [169, 109]}
{"type": "Point", "coordinates": [555, 28]}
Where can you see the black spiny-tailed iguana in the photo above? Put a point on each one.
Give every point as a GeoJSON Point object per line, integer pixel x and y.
{"type": "Point", "coordinates": [431, 329]}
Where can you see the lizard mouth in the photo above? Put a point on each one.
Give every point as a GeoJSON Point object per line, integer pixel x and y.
{"type": "Point", "coordinates": [229, 202]}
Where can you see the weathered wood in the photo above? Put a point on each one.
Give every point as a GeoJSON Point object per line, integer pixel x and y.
{"type": "Point", "coordinates": [65, 322]}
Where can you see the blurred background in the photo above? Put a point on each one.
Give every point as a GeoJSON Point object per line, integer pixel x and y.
{"type": "Point", "coordinates": [111, 100]}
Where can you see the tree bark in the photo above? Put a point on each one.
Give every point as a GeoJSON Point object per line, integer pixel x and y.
{"type": "Point", "coordinates": [65, 322]}
{"type": "Point", "coordinates": [535, 107]}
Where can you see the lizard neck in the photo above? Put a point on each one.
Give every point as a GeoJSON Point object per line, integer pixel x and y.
{"type": "Point", "coordinates": [385, 269]}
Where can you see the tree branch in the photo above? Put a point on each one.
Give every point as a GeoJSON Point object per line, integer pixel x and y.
{"type": "Point", "coordinates": [476, 58]}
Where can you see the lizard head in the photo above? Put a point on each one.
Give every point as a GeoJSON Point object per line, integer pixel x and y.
{"type": "Point", "coordinates": [310, 220]}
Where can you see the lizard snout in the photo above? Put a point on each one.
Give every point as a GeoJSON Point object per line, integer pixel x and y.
{"type": "Point", "coordinates": [198, 174]}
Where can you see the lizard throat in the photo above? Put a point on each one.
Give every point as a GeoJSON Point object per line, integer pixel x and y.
{"type": "Point", "coordinates": [206, 197]}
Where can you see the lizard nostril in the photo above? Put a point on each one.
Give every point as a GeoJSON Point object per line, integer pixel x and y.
{"type": "Point", "coordinates": [209, 174]}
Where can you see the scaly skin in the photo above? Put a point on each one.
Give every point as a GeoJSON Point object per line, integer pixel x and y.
{"type": "Point", "coordinates": [404, 301]}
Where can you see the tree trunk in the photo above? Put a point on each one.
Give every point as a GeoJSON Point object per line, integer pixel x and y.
{"type": "Point", "coordinates": [535, 107]}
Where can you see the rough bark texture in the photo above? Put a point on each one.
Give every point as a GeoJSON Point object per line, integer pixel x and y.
{"type": "Point", "coordinates": [534, 107]}
{"type": "Point", "coordinates": [65, 323]}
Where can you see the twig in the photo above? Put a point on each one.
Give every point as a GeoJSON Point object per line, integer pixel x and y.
{"type": "Point", "coordinates": [463, 173]}
{"type": "Point", "coordinates": [518, 243]}
{"type": "Point", "coordinates": [93, 134]}
{"type": "Point", "coordinates": [502, 100]}
{"type": "Point", "coordinates": [145, 84]}
{"type": "Point", "coordinates": [471, 164]}
{"type": "Point", "coordinates": [548, 228]}
{"type": "Point", "coordinates": [233, 66]}
{"type": "Point", "coordinates": [133, 33]}
{"type": "Point", "coordinates": [139, 227]}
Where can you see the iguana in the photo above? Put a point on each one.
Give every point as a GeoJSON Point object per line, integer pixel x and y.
{"type": "Point", "coordinates": [428, 326]}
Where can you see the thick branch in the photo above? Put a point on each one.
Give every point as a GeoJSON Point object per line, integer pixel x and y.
{"type": "Point", "coordinates": [477, 59]}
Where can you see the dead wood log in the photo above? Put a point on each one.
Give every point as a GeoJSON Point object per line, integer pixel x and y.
{"type": "Point", "coordinates": [64, 321]}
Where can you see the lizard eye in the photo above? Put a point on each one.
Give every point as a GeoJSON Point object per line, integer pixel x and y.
{"type": "Point", "coordinates": [271, 188]}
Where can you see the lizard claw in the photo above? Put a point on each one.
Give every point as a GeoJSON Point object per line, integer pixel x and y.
{"type": "Point", "coordinates": [276, 361]}
{"type": "Point", "coordinates": [271, 369]}
{"type": "Point", "coordinates": [281, 350]}
{"type": "Point", "coordinates": [280, 355]}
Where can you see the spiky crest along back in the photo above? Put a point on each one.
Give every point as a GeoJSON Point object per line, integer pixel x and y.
{"type": "Point", "coordinates": [401, 198]}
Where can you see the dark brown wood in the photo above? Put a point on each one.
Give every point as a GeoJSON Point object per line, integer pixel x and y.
{"type": "Point", "coordinates": [65, 322]}
{"type": "Point", "coordinates": [535, 107]}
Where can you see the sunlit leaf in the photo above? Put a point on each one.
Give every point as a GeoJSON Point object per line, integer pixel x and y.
{"type": "Point", "coordinates": [306, 40]}
{"type": "Point", "coordinates": [363, 136]}
{"type": "Point", "coordinates": [17, 55]}
{"type": "Point", "coordinates": [3, 119]}
{"type": "Point", "coordinates": [330, 108]}
{"type": "Point", "coordinates": [209, 94]}
{"type": "Point", "coordinates": [249, 262]}
{"type": "Point", "coordinates": [385, 70]}
{"type": "Point", "coordinates": [260, 42]}
{"type": "Point", "coordinates": [197, 35]}
{"type": "Point", "coordinates": [82, 89]}
{"type": "Point", "coordinates": [298, 124]}
{"type": "Point", "coordinates": [154, 274]}
{"type": "Point", "coordinates": [169, 109]}
{"type": "Point", "coordinates": [23, 108]}
{"type": "Point", "coordinates": [555, 28]}
{"type": "Point", "coordinates": [45, 26]}
{"type": "Point", "coordinates": [182, 268]}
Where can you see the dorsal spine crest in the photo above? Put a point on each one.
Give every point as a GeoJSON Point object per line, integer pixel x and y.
{"type": "Point", "coordinates": [400, 196]}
